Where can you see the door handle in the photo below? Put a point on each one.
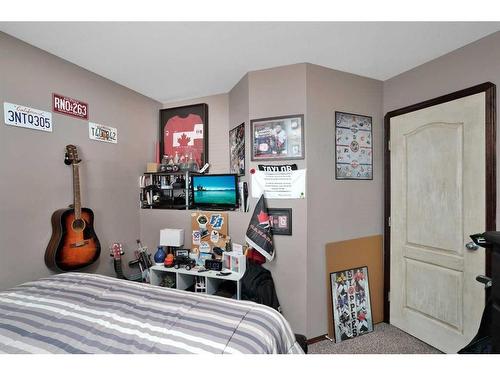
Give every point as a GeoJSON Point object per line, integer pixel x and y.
{"type": "Point", "coordinates": [487, 281]}
{"type": "Point", "coordinates": [471, 246]}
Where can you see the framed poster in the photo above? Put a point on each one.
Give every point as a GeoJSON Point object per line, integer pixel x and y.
{"type": "Point", "coordinates": [280, 220]}
{"type": "Point", "coordinates": [352, 314]}
{"type": "Point", "coordinates": [278, 138]}
{"type": "Point", "coordinates": [237, 150]}
{"type": "Point", "coordinates": [184, 133]}
{"type": "Point", "coordinates": [353, 147]}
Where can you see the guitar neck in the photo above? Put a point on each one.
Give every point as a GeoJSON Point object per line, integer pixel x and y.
{"type": "Point", "coordinates": [118, 268]}
{"type": "Point", "coordinates": [77, 202]}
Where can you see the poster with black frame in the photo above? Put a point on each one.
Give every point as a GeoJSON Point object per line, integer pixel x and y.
{"type": "Point", "coordinates": [353, 147]}
{"type": "Point", "coordinates": [351, 304]}
{"type": "Point", "coordinates": [237, 150]}
{"type": "Point", "coordinates": [281, 221]}
{"type": "Point", "coordinates": [184, 135]}
{"type": "Point", "coordinates": [278, 138]}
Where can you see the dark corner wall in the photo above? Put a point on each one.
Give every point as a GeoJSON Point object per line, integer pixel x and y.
{"type": "Point", "coordinates": [34, 179]}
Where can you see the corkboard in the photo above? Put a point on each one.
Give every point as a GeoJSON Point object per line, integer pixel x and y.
{"type": "Point", "coordinates": [366, 251]}
{"type": "Point", "coordinates": [212, 233]}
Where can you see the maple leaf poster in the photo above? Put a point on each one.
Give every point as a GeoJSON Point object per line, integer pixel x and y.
{"type": "Point", "coordinates": [184, 133]}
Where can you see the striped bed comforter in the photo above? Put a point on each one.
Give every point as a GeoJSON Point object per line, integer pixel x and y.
{"type": "Point", "coordinates": [88, 313]}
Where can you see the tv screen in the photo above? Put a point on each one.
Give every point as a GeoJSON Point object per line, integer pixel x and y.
{"type": "Point", "coordinates": [216, 191]}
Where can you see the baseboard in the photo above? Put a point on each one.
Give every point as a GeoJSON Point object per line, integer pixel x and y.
{"type": "Point", "coordinates": [314, 340]}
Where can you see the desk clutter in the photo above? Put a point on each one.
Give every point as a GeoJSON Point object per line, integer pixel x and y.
{"type": "Point", "coordinates": [214, 264]}
{"type": "Point", "coordinates": [210, 266]}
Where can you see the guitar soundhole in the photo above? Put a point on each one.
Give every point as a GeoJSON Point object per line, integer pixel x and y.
{"type": "Point", "coordinates": [78, 225]}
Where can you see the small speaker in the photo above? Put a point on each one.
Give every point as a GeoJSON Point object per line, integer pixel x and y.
{"type": "Point", "coordinates": [214, 265]}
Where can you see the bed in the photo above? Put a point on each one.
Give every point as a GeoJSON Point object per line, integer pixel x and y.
{"type": "Point", "coordinates": [89, 313]}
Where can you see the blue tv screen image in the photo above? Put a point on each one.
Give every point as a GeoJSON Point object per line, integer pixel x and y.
{"type": "Point", "coordinates": [215, 190]}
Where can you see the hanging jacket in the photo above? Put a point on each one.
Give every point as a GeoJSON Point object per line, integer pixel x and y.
{"type": "Point", "coordinates": [257, 285]}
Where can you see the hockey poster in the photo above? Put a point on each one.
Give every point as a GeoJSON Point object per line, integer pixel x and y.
{"type": "Point", "coordinates": [351, 303]}
{"type": "Point", "coordinates": [353, 147]}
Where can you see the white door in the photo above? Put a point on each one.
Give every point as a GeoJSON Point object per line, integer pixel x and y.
{"type": "Point", "coordinates": [437, 201]}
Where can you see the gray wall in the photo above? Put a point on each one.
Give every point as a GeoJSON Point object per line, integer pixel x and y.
{"type": "Point", "coordinates": [468, 66]}
{"type": "Point", "coordinates": [337, 210]}
{"type": "Point", "coordinates": [34, 180]}
{"type": "Point", "coordinates": [276, 92]}
{"type": "Point", "coordinates": [266, 93]}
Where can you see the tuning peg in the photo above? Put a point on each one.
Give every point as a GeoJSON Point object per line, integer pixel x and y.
{"type": "Point", "coordinates": [67, 160]}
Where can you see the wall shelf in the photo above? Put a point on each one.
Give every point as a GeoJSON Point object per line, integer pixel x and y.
{"type": "Point", "coordinates": [165, 190]}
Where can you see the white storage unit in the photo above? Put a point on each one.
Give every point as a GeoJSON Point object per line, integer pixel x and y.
{"type": "Point", "coordinates": [187, 278]}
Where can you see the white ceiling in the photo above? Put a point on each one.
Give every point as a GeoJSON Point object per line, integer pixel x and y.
{"type": "Point", "coordinates": [170, 61]}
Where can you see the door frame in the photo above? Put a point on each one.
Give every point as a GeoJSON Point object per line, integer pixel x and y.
{"type": "Point", "coordinates": [490, 137]}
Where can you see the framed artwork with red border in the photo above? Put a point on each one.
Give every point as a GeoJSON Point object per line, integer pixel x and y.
{"type": "Point", "coordinates": [184, 132]}
{"type": "Point", "coordinates": [281, 221]}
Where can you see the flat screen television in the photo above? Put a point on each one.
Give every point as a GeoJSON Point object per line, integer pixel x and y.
{"type": "Point", "coordinates": [215, 191]}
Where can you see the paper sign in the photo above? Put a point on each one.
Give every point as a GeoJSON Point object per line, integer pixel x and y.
{"type": "Point", "coordinates": [103, 133]}
{"type": "Point", "coordinates": [279, 184]}
{"type": "Point", "coordinates": [26, 117]}
{"type": "Point", "coordinates": [69, 106]}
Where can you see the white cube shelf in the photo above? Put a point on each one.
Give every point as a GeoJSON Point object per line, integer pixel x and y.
{"type": "Point", "coordinates": [186, 278]}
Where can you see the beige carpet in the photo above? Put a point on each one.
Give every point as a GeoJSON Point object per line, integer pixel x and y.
{"type": "Point", "coordinates": [385, 339]}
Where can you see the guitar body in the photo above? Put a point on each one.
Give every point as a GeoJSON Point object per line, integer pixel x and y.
{"type": "Point", "coordinates": [73, 244]}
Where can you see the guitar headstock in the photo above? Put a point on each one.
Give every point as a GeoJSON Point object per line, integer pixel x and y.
{"type": "Point", "coordinates": [71, 156]}
{"type": "Point", "coordinates": [116, 251]}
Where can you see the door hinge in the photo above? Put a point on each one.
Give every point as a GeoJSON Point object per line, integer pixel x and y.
{"type": "Point", "coordinates": [389, 145]}
{"type": "Point", "coordinates": [389, 296]}
{"type": "Point", "coordinates": [389, 221]}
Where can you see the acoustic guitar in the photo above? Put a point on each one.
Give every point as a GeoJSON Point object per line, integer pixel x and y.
{"type": "Point", "coordinates": [74, 244]}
